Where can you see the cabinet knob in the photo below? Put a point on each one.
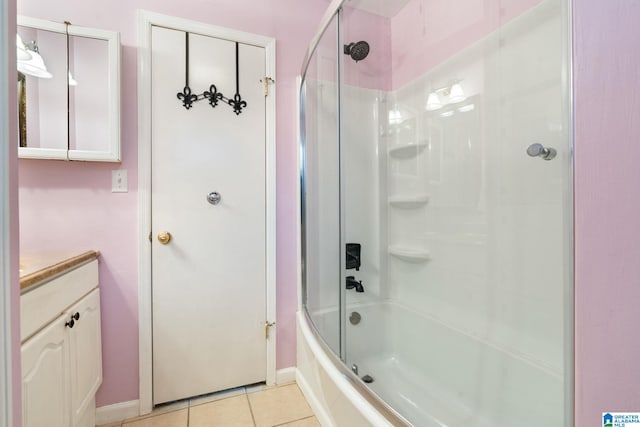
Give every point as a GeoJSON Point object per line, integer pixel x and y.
{"type": "Point", "coordinates": [76, 316]}
{"type": "Point", "coordinates": [70, 323]}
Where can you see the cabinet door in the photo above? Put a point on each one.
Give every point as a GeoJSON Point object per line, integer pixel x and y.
{"type": "Point", "coordinates": [45, 377]}
{"type": "Point", "coordinates": [85, 353]}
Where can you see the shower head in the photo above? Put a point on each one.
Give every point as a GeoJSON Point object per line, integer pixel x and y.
{"type": "Point", "coordinates": [358, 51]}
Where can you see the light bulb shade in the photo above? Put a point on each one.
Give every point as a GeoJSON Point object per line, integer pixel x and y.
{"type": "Point", "coordinates": [34, 67]}
{"type": "Point", "coordinates": [21, 52]}
{"type": "Point", "coordinates": [72, 81]}
{"type": "Point", "coordinates": [456, 94]}
{"type": "Point", "coordinates": [395, 116]}
{"type": "Point", "coordinates": [433, 102]}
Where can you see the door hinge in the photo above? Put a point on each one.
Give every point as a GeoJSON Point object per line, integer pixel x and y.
{"type": "Point", "coordinates": [267, 327]}
{"type": "Point", "coordinates": [265, 84]}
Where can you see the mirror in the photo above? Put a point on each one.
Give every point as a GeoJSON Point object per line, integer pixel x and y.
{"type": "Point", "coordinates": [68, 92]}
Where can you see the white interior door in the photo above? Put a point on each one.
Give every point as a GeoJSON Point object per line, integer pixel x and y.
{"type": "Point", "coordinates": [209, 281]}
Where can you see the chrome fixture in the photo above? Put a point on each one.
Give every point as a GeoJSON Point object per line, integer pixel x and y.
{"type": "Point", "coordinates": [355, 318]}
{"type": "Point", "coordinates": [539, 150]}
{"type": "Point", "coordinates": [354, 369]}
{"type": "Point", "coordinates": [214, 197]}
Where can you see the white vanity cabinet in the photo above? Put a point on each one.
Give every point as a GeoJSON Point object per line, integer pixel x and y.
{"type": "Point", "coordinates": [45, 377]}
{"type": "Point", "coordinates": [62, 358]}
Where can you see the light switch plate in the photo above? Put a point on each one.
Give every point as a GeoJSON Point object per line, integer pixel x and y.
{"type": "Point", "coordinates": [119, 181]}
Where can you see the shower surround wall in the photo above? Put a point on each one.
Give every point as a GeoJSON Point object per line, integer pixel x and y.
{"type": "Point", "coordinates": [457, 214]}
{"type": "Point", "coordinates": [487, 198]}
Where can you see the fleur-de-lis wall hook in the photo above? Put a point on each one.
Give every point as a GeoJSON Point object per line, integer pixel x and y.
{"type": "Point", "coordinates": [185, 96]}
{"type": "Point", "coordinates": [237, 102]}
{"type": "Point", "coordinates": [212, 94]}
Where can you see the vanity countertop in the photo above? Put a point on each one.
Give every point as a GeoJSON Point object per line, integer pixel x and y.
{"type": "Point", "coordinates": [41, 267]}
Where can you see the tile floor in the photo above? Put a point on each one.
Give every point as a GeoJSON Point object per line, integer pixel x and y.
{"type": "Point", "coordinates": [251, 406]}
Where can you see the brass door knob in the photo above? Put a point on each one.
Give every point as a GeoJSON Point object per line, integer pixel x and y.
{"type": "Point", "coordinates": [164, 237]}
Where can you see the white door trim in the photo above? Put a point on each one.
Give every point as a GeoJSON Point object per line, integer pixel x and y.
{"type": "Point", "coordinates": [7, 262]}
{"type": "Point", "coordinates": [145, 21]}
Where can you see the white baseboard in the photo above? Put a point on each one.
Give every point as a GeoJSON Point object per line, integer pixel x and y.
{"type": "Point", "coordinates": [286, 375]}
{"type": "Point", "coordinates": [117, 412]}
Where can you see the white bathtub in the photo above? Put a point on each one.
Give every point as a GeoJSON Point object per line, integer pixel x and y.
{"type": "Point", "coordinates": [439, 377]}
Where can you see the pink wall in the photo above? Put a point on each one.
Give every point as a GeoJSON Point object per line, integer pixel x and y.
{"type": "Point", "coordinates": [435, 27]}
{"type": "Point", "coordinates": [70, 205]}
{"type": "Point", "coordinates": [373, 72]}
{"type": "Point", "coordinates": [607, 207]}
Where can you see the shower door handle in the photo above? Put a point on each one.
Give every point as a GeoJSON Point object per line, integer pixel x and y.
{"type": "Point", "coordinates": [539, 150]}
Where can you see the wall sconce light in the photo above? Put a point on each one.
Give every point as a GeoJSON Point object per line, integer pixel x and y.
{"type": "Point", "coordinates": [433, 102]}
{"type": "Point", "coordinates": [21, 52]}
{"type": "Point", "coordinates": [395, 116]}
{"type": "Point", "coordinates": [445, 95]}
{"type": "Point", "coordinates": [456, 94]}
{"type": "Point", "coordinates": [34, 66]}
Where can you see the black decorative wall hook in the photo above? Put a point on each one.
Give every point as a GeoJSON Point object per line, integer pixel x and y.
{"type": "Point", "coordinates": [237, 102]}
{"type": "Point", "coordinates": [212, 94]}
{"type": "Point", "coordinates": [185, 96]}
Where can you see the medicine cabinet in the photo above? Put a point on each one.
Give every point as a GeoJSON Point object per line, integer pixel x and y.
{"type": "Point", "coordinates": [68, 91]}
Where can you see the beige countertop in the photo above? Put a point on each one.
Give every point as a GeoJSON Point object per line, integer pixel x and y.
{"type": "Point", "coordinates": [40, 267]}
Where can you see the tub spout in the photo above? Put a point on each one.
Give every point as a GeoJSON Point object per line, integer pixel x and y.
{"type": "Point", "coordinates": [353, 283]}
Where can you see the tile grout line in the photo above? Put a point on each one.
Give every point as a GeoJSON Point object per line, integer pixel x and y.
{"type": "Point", "coordinates": [293, 421]}
{"type": "Point", "coordinates": [251, 410]}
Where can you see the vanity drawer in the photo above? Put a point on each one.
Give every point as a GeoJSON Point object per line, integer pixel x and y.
{"type": "Point", "coordinates": [44, 303]}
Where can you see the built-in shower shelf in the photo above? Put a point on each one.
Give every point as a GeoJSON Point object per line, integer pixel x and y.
{"type": "Point", "coordinates": [405, 151]}
{"type": "Point", "coordinates": [409, 254]}
{"type": "Point", "coordinates": [409, 202]}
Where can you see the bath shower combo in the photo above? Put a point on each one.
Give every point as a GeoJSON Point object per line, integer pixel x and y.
{"type": "Point", "coordinates": [436, 316]}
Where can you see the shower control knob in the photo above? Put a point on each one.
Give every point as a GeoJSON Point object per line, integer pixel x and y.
{"type": "Point", "coordinates": [539, 150]}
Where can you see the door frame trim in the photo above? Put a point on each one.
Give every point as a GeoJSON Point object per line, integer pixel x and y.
{"type": "Point", "coordinates": [10, 386]}
{"type": "Point", "coordinates": [146, 20]}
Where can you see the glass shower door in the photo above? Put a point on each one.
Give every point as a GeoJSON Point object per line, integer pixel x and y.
{"type": "Point", "coordinates": [456, 184]}
{"type": "Point", "coordinates": [321, 190]}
